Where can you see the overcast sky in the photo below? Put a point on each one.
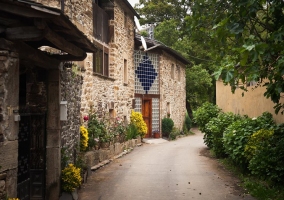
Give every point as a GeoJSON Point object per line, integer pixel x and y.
{"type": "Point", "coordinates": [133, 2]}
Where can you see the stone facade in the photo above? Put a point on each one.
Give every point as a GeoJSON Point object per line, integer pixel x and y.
{"type": "Point", "coordinates": [100, 92]}
{"type": "Point", "coordinates": [172, 89]}
{"type": "Point", "coordinates": [9, 90]}
{"type": "Point", "coordinates": [71, 88]}
{"type": "Point", "coordinates": [167, 90]}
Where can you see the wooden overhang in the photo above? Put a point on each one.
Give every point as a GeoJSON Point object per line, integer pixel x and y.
{"type": "Point", "coordinates": [154, 44]}
{"type": "Point", "coordinates": [26, 25]}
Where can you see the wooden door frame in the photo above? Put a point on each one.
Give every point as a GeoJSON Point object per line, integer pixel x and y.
{"type": "Point", "coordinates": [150, 117]}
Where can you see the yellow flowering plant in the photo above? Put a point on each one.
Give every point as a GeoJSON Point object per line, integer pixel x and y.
{"type": "Point", "coordinates": [84, 138]}
{"type": "Point", "coordinates": [71, 178]}
{"type": "Point", "coordinates": [13, 199]}
{"type": "Point", "coordinates": [136, 119]}
{"type": "Point", "coordinates": [256, 141]}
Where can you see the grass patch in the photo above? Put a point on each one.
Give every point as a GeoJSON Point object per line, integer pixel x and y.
{"type": "Point", "coordinates": [259, 189]}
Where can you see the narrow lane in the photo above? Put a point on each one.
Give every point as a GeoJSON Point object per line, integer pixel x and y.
{"type": "Point", "coordinates": [166, 171]}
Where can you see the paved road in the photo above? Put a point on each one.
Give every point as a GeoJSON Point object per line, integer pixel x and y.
{"type": "Point", "coordinates": [174, 170]}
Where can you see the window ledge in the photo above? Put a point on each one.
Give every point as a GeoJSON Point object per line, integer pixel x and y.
{"type": "Point", "coordinates": [102, 76]}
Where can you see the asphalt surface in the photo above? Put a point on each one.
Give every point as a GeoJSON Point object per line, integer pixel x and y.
{"type": "Point", "coordinates": [164, 170]}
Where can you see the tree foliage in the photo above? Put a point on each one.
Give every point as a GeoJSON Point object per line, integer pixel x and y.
{"type": "Point", "coordinates": [251, 33]}
{"type": "Point", "coordinates": [174, 30]}
{"type": "Point", "coordinates": [162, 10]}
{"type": "Point", "coordinates": [198, 82]}
{"type": "Point", "coordinates": [240, 40]}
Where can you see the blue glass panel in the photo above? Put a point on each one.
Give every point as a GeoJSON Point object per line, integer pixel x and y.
{"type": "Point", "coordinates": [146, 73]}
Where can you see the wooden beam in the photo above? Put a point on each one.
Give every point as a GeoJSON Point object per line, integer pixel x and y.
{"type": "Point", "coordinates": [65, 22]}
{"type": "Point", "coordinates": [63, 44]}
{"type": "Point", "coordinates": [68, 57]}
{"type": "Point", "coordinates": [26, 33]}
{"type": "Point", "coordinates": [28, 53]}
{"type": "Point", "coordinates": [60, 42]}
{"type": "Point", "coordinates": [24, 11]}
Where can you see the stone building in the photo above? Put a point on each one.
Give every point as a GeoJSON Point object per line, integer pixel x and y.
{"type": "Point", "coordinates": [31, 92]}
{"type": "Point", "coordinates": [108, 84]}
{"type": "Point", "coordinates": [159, 84]}
{"type": "Point", "coordinates": [79, 55]}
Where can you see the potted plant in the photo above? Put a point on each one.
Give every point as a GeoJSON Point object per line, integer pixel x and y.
{"type": "Point", "coordinates": [156, 134]}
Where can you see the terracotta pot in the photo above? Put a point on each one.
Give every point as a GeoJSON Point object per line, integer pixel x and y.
{"type": "Point", "coordinates": [157, 135]}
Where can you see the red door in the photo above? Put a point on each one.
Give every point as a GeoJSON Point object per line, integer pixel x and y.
{"type": "Point", "coordinates": [147, 115]}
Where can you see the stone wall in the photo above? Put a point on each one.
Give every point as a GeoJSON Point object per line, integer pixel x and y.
{"type": "Point", "coordinates": [172, 90]}
{"type": "Point", "coordinates": [99, 91]}
{"type": "Point", "coordinates": [95, 157]}
{"type": "Point", "coordinates": [9, 92]}
{"type": "Point", "coordinates": [71, 88]}
{"type": "Point", "coordinates": [78, 11]}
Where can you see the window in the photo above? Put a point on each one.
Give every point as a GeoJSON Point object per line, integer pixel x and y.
{"type": "Point", "coordinates": [100, 22]}
{"type": "Point", "coordinates": [178, 73]}
{"type": "Point", "coordinates": [100, 62]}
{"type": "Point", "coordinates": [125, 72]}
{"type": "Point", "coordinates": [125, 19]}
{"type": "Point", "coordinates": [173, 71]}
{"type": "Point", "coordinates": [168, 109]}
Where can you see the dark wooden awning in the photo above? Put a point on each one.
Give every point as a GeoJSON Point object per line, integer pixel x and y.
{"type": "Point", "coordinates": [26, 25]}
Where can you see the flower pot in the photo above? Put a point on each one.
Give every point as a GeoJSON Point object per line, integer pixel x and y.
{"type": "Point", "coordinates": [157, 135]}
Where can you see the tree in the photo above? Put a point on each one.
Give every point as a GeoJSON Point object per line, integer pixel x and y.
{"type": "Point", "coordinates": [174, 30]}
{"type": "Point", "coordinates": [162, 10]}
{"type": "Point", "coordinates": [198, 82]}
{"type": "Point", "coordinates": [251, 33]}
{"type": "Point", "coordinates": [241, 40]}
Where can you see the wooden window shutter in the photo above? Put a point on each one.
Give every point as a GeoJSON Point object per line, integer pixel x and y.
{"type": "Point", "coordinates": [106, 64]}
{"type": "Point", "coordinates": [100, 24]}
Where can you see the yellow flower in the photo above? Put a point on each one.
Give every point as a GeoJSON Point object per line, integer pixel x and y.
{"type": "Point", "coordinates": [71, 178]}
{"type": "Point", "coordinates": [84, 138]}
{"type": "Point", "coordinates": [136, 118]}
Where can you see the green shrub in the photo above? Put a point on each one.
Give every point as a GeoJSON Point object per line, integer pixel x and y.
{"type": "Point", "coordinates": [256, 142]}
{"type": "Point", "coordinates": [235, 139]}
{"type": "Point", "coordinates": [167, 126]}
{"type": "Point", "coordinates": [266, 121]}
{"type": "Point", "coordinates": [97, 130]}
{"type": "Point", "coordinates": [204, 114]}
{"type": "Point", "coordinates": [131, 132]}
{"type": "Point", "coordinates": [237, 134]}
{"type": "Point", "coordinates": [213, 135]}
{"type": "Point", "coordinates": [268, 159]}
{"type": "Point", "coordinates": [187, 122]}
{"type": "Point", "coordinates": [174, 133]}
